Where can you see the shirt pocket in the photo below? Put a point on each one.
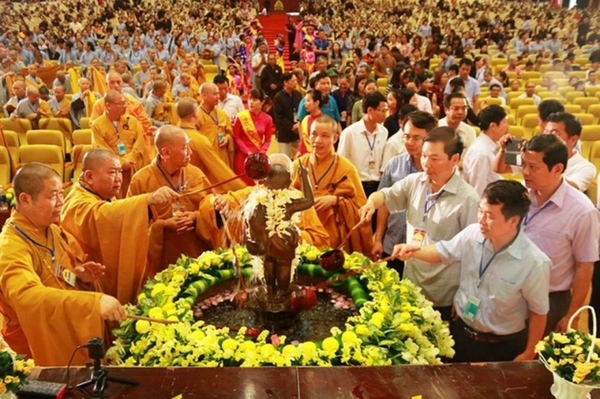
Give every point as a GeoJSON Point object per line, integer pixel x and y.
{"type": "Point", "coordinates": [505, 294]}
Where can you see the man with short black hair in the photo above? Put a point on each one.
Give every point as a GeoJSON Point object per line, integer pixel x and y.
{"type": "Point", "coordinates": [471, 84]}
{"type": "Point", "coordinates": [228, 102]}
{"type": "Point", "coordinates": [563, 223]}
{"type": "Point", "coordinates": [530, 93]}
{"type": "Point", "coordinates": [455, 105]}
{"type": "Point", "coordinates": [437, 194]}
{"type": "Point", "coordinates": [502, 301]}
{"type": "Point", "coordinates": [285, 105]}
{"type": "Point", "coordinates": [478, 160]}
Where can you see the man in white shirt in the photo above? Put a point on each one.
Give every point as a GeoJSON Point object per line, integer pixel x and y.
{"type": "Point", "coordinates": [455, 105]}
{"type": "Point", "coordinates": [580, 172]}
{"type": "Point", "coordinates": [504, 279]}
{"type": "Point", "coordinates": [230, 103]}
{"type": "Point", "coordinates": [530, 93]}
{"type": "Point", "coordinates": [478, 160]}
{"type": "Point", "coordinates": [362, 142]}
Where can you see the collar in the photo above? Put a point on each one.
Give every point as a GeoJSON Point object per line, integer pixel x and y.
{"type": "Point", "coordinates": [451, 185]}
{"type": "Point", "coordinates": [18, 219]}
{"type": "Point", "coordinates": [558, 198]}
{"type": "Point", "coordinates": [516, 249]}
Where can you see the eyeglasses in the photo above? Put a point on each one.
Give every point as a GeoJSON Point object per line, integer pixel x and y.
{"type": "Point", "coordinates": [413, 137]}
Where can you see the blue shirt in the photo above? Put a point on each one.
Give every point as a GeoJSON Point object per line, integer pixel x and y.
{"type": "Point", "coordinates": [330, 109]}
{"type": "Point", "coordinates": [396, 169]}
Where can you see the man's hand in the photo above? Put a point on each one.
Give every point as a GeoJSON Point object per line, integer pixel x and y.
{"type": "Point", "coordinates": [151, 131]}
{"type": "Point", "coordinates": [528, 354]}
{"type": "Point", "coordinates": [111, 309]}
{"type": "Point", "coordinates": [562, 325]}
{"type": "Point", "coordinates": [325, 202]}
{"type": "Point", "coordinates": [404, 251]}
{"type": "Point", "coordinates": [32, 116]}
{"type": "Point", "coordinates": [89, 271]}
{"type": "Point", "coordinates": [163, 195]}
{"type": "Point", "coordinates": [377, 249]}
{"type": "Point", "coordinates": [504, 141]}
{"type": "Point", "coordinates": [224, 141]}
{"type": "Point", "coordinates": [185, 222]}
{"type": "Point", "coordinates": [366, 211]}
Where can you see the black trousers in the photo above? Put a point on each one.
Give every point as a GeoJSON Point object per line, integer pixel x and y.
{"type": "Point", "coordinates": [469, 350]}
{"type": "Point", "coordinates": [370, 187]}
{"type": "Point", "coordinates": [595, 298]}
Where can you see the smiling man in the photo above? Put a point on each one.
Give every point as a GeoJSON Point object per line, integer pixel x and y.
{"type": "Point", "coordinates": [504, 279]}
{"type": "Point", "coordinates": [336, 186]}
{"type": "Point", "coordinates": [439, 204]}
{"type": "Point", "coordinates": [112, 232]}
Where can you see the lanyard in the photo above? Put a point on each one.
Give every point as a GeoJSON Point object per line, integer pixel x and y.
{"type": "Point", "coordinates": [162, 171]}
{"type": "Point", "coordinates": [529, 219]}
{"type": "Point", "coordinates": [371, 144]}
{"type": "Point", "coordinates": [215, 119]}
{"type": "Point", "coordinates": [28, 238]}
{"type": "Point", "coordinates": [428, 208]}
{"type": "Point", "coordinates": [483, 269]}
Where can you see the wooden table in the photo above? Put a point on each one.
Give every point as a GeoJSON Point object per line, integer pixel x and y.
{"type": "Point", "coordinates": [461, 381]}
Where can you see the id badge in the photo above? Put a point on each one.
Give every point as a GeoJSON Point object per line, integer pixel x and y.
{"type": "Point", "coordinates": [472, 307]}
{"type": "Point", "coordinates": [221, 136]}
{"type": "Point", "coordinates": [418, 237]}
{"type": "Point", "coordinates": [121, 148]}
{"type": "Point", "coordinates": [371, 162]}
{"type": "Point", "coordinates": [69, 277]}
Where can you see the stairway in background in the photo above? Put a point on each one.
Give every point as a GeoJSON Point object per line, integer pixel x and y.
{"type": "Point", "coordinates": [272, 25]}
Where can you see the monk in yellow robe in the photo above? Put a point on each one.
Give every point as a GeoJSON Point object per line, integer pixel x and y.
{"type": "Point", "coordinates": [112, 232]}
{"type": "Point", "coordinates": [121, 134]}
{"type": "Point", "coordinates": [172, 232]}
{"type": "Point", "coordinates": [46, 296]}
{"type": "Point", "coordinates": [133, 106]}
{"type": "Point", "coordinates": [204, 155]}
{"type": "Point", "coordinates": [336, 187]}
{"type": "Point", "coordinates": [212, 226]}
{"type": "Point", "coordinates": [214, 123]}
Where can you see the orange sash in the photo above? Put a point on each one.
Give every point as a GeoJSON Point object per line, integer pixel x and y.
{"type": "Point", "coordinates": [166, 112]}
{"type": "Point", "coordinates": [249, 128]}
{"type": "Point", "coordinates": [306, 133]}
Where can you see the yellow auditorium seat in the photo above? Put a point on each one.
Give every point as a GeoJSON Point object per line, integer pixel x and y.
{"type": "Point", "coordinates": [490, 101]}
{"type": "Point", "coordinates": [545, 68]}
{"type": "Point", "coordinates": [528, 75]}
{"type": "Point", "coordinates": [585, 102]}
{"type": "Point", "coordinates": [517, 131]}
{"type": "Point", "coordinates": [572, 95]}
{"type": "Point", "coordinates": [592, 91]}
{"type": "Point", "coordinates": [5, 167]}
{"type": "Point", "coordinates": [515, 103]}
{"type": "Point", "coordinates": [589, 135]}
{"type": "Point", "coordinates": [573, 108]}
{"type": "Point", "coordinates": [565, 89]}
{"type": "Point", "coordinates": [561, 82]}
{"type": "Point", "coordinates": [554, 75]}
{"type": "Point", "coordinates": [49, 154]}
{"type": "Point", "coordinates": [529, 123]}
{"type": "Point", "coordinates": [585, 119]}
{"type": "Point", "coordinates": [46, 136]}
{"type": "Point", "coordinates": [594, 109]}
{"type": "Point", "coordinates": [12, 144]}
{"type": "Point", "coordinates": [512, 95]}
{"type": "Point", "coordinates": [77, 154]}
{"type": "Point", "coordinates": [592, 191]}
{"type": "Point", "coordinates": [21, 126]}
{"type": "Point", "coordinates": [382, 82]}
{"type": "Point", "coordinates": [84, 123]}
{"type": "Point", "coordinates": [82, 136]}
{"type": "Point", "coordinates": [524, 110]}
{"type": "Point", "coordinates": [546, 94]}
{"type": "Point", "coordinates": [62, 124]}
{"type": "Point", "coordinates": [211, 68]}
{"type": "Point", "coordinates": [581, 75]}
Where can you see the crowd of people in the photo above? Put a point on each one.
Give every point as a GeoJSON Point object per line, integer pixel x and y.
{"type": "Point", "coordinates": [379, 106]}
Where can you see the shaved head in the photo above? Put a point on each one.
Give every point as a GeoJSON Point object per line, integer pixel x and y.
{"type": "Point", "coordinates": [30, 179]}
{"type": "Point", "coordinates": [95, 158]}
{"type": "Point", "coordinates": [168, 135]}
{"type": "Point", "coordinates": [186, 107]}
{"type": "Point", "coordinates": [114, 75]}
{"type": "Point", "coordinates": [208, 87]}
{"type": "Point", "coordinates": [113, 96]}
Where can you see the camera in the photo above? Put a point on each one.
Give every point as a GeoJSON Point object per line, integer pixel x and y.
{"type": "Point", "coordinates": [512, 156]}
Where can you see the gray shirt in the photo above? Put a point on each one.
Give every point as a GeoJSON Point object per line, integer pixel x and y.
{"type": "Point", "coordinates": [516, 281]}
{"type": "Point", "coordinates": [150, 105]}
{"type": "Point", "coordinates": [450, 210]}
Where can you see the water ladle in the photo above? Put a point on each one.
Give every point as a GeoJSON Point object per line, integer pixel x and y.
{"type": "Point", "coordinates": [334, 260]}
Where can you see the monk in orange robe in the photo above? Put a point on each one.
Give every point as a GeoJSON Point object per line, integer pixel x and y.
{"type": "Point", "coordinates": [172, 232]}
{"type": "Point", "coordinates": [204, 156]}
{"type": "Point", "coordinates": [112, 232]}
{"type": "Point", "coordinates": [121, 134]}
{"type": "Point", "coordinates": [46, 296]}
{"type": "Point", "coordinates": [214, 123]}
{"type": "Point", "coordinates": [212, 226]}
{"type": "Point", "coordinates": [336, 187]}
{"type": "Point", "coordinates": [134, 107]}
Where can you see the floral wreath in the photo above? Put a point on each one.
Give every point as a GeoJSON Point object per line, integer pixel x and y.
{"type": "Point", "coordinates": [395, 323]}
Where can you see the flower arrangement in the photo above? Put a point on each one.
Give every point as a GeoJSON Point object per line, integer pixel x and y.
{"type": "Point", "coordinates": [10, 197]}
{"type": "Point", "coordinates": [395, 323]}
{"type": "Point", "coordinates": [275, 202]}
{"type": "Point", "coordinates": [566, 354]}
{"type": "Point", "coordinates": [13, 369]}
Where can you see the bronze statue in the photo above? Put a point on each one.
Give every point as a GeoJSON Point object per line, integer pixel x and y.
{"type": "Point", "coordinates": [278, 249]}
